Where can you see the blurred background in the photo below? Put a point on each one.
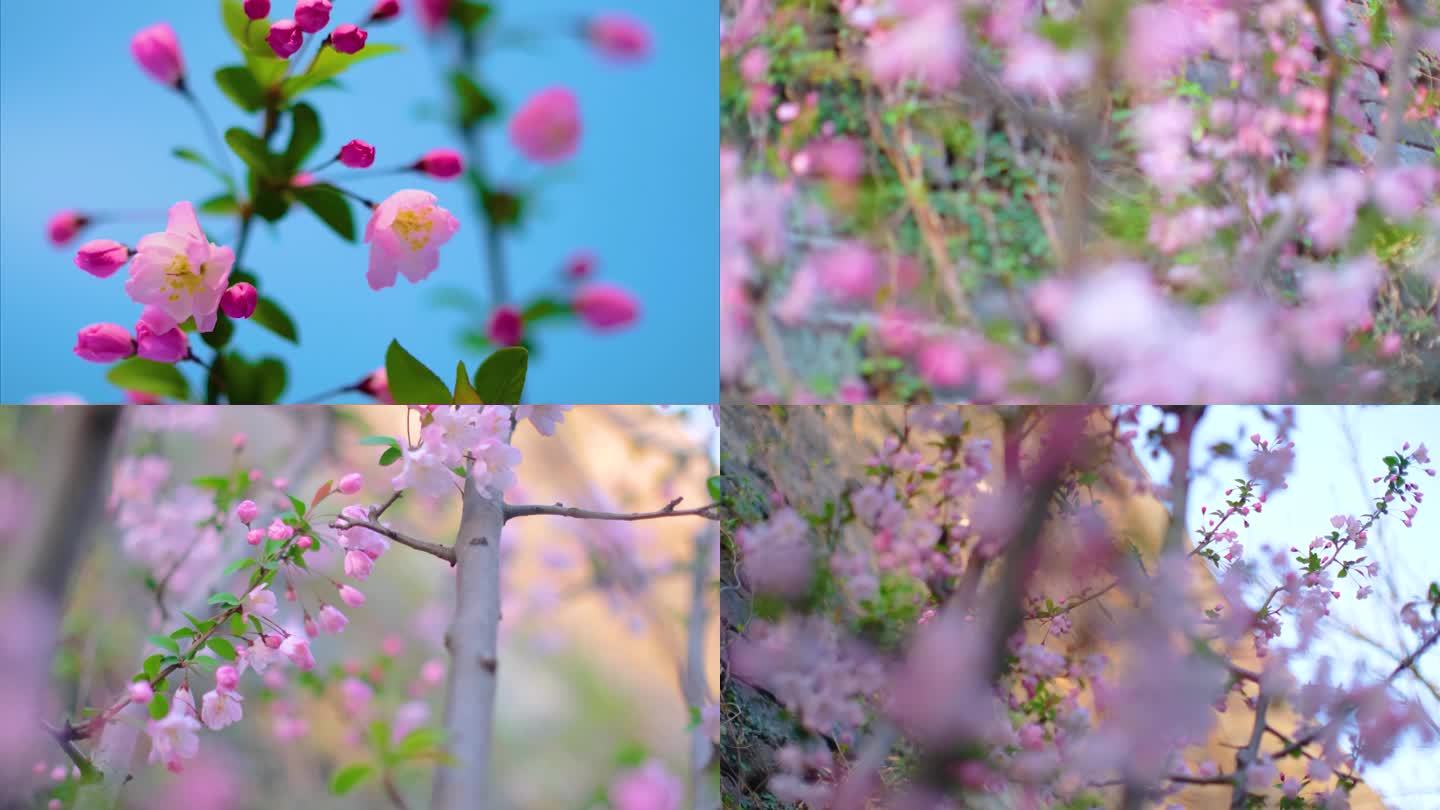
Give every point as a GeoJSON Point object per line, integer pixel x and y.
{"type": "Point", "coordinates": [593, 635]}
{"type": "Point", "coordinates": [83, 128]}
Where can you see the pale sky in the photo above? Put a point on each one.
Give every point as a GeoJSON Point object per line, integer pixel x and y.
{"type": "Point", "coordinates": [1330, 440]}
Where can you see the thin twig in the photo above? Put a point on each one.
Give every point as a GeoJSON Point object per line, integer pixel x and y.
{"type": "Point", "coordinates": [710, 512]}
{"type": "Point", "coordinates": [445, 553]}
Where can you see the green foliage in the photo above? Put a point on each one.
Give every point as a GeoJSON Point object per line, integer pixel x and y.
{"type": "Point", "coordinates": [149, 377]}
{"type": "Point", "coordinates": [500, 380]}
{"type": "Point", "coordinates": [330, 206]}
{"type": "Point", "coordinates": [251, 383]}
{"type": "Point", "coordinates": [332, 63]}
{"type": "Point", "coordinates": [889, 616]}
{"type": "Point", "coordinates": [348, 777]}
{"type": "Point", "coordinates": [411, 381]}
{"type": "Point", "coordinates": [473, 104]}
{"type": "Point", "coordinates": [272, 316]}
{"type": "Point", "coordinates": [304, 137]}
{"type": "Point", "coordinates": [465, 393]}
{"type": "Point", "coordinates": [240, 86]}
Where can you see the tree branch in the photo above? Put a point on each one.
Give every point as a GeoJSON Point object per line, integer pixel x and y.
{"type": "Point", "coordinates": [445, 553]}
{"type": "Point", "coordinates": [709, 512]}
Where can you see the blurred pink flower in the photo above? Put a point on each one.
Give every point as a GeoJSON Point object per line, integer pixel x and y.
{"type": "Point", "coordinates": [158, 52]}
{"type": "Point", "coordinates": [357, 154]}
{"type": "Point", "coordinates": [168, 346]}
{"type": "Point", "coordinates": [103, 343]}
{"type": "Point", "coordinates": [65, 226]}
{"type": "Point", "coordinates": [432, 13]}
{"type": "Point", "coordinates": [649, 787]}
{"type": "Point", "coordinates": [285, 38]}
{"type": "Point", "coordinates": [619, 37]}
{"type": "Point", "coordinates": [102, 257]}
{"type": "Point", "coordinates": [927, 43]}
{"type": "Point", "coordinates": [405, 233]}
{"type": "Point", "coordinates": [312, 15]}
{"type": "Point", "coordinates": [849, 272]}
{"type": "Point", "coordinates": [546, 128]}
{"type": "Point", "coordinates": [944, 363]}
{"type": "Point", "coordinates": [606, 307]}
{"type": "Point", "coordinates": [506, 326]}
{"type": "Point", "coordinates": [348, 38]}
{"type": "Point", "coordinates": [441, 164]}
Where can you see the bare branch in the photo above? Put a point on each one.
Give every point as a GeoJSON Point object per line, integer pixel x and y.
{"type": "Point", "coordinates": [445, 553]}
{"type": "Point", "coordinates": [710, 512]}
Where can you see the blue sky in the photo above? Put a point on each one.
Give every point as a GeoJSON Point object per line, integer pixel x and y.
{"type": "Point", "coordinates": [1330, 442]}
{"type": "Point", "coordinates": [84, 128]}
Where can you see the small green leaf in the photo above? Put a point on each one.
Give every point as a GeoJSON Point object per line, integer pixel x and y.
{"type": "Point", "coordinates": [184, 632]}
{"type": "Point", "coordinates": [464, 392]}
{"type": "Point", "coordinates": [252, 150]}
{"type": "Point", "coordinates": [348, 777]}
{"type": "Point", "coordinates": [380, 441]}
{"type": "Point", "coordinates": [149, 377]}
{"type": "Point", "coordinates": [159, 705]}
{"type": "Point", "coordinates": [224, 598]}
{"type": "Point", "coordinates": [473, 103]}
{"type": "Point", "coordinates": [269, 204]}
{"type": "Point", "coordinates": [390, 457]}
{"type": "Point", "coordinates": [191, 156]}
{"type": "Point", "coordinates": [420, 741]}
{"type": "Point", "coordinates": [237, 625]}
{"type": "Point", "coordinates": [247, 383]}
{"type": "Point", "coordinates": [298, 505]}
{"type": "Point", "coordinates": [164, 643]}
{"type": "Point", "coordinates": [713, 485]}
{"type": "Point", "coordinates": [468, 14]}
{"type": "Point", "coordinates": [304, 136]}
{"type": "Point", "coordinates": [332, 63]}
{"type": "Point", "coordinates": [151, 667]}
{"type": "Point", "coordinates": [239, 84]}
{"type": "Point", "coordinates": [219, 204]}
{"type": "Point", "coordinates": [219, 336]}
{"type": "Point", "coordinates": [330, 206]}
{"type": "Point", "coordinates": [500, 380]}
{"type": "Point", "coordinates": [411, 382]}
{"type": "Point", "coordinates": [222, 648]}
{"type": "Point", "coordinates": [269, 315]}
{"type": "Point", "coordinates": [503, 207]}
{"type": "Point", "coordinates": [544, 308]}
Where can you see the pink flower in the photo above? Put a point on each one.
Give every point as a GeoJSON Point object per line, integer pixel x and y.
{"type": "Point", "coordinates": [545, 418]}
{"type": "Point", "coordinates": [173, 738]}
{"type": "Point", "coordinates": [649, 787]}
{"type": "Point", "coordinates": [619, 37]}
{"type": "Point", "coordinates": [285, 38]}
{"type": "Point", "coordinates": [348, 38]}
{"type": "Point", "coordinates": [297, 650]}
{"type": "Point", "coordinates": [405, 233]}
{"type": "Point", "coordinates": [102, 257]}
{"type": "Point", "coordinates": [257, 9]}
{"type": "Point", "coordinates": [64, 226]}
{"type": "Point", "coordinates": [168, 346]}
{"type": "Point", "coordinates": [351, 483]}
{"type": "Point", "coordinates": [606, 307]}
{"type": "Point", "coordinates": [546, 129]}
{"type": "Point", "coordinates": [220, 708]}
{"type": "Point", "coordinates": [140, 692]}
{"type": "Point", "coordinates": [103, 343]}
{"type": "Point", "coordinates": [158, 52]}
{"type": "Point", "coordinates": [240, 300]}
{"type": "Point", "coordinates": [849, 272]}
{"type": "Point", "coordinates": [433, 13]}
{"type": "Point", "coordinates": [384, 10]}
{"type": "Point", "coordinates": [312, 15]}
{"type": "Point", "coordinates": [358, 565]}
{"type": "Point", "coordinates": [351, 596]}
{"type": "Point", "coordinates": [254, 537]}
{"type": "Point", "coordinates": [357, 154]}
{"type": "Point", "coordinates": [377, 386]}
{"type": "Point", "coordinates": [180, 273]}
{"type": "Point", "coordinates": [441, 164]}
{"type": "Point", "coordinates": [1401, 192]}
{"type": "Point", "coordinates": [505, 326]}
{"type": "Point", "coordinates": [331, 620]}
{"type": "Point", "coordinates": [944, 363]}
{"type": "Point", "coordinates": [261, 602]}
{"type": "Point", "coordinates": [226, 678]}
{"type": "Point", "coordinates": [1332, 201]}
{"type": "Point", "coordinates": [927, 44]}
{"type": "Point", "coordinates": [246, 512]}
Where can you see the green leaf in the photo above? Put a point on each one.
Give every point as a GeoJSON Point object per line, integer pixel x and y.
{"type": "Point", "coordinates": [464, 392]}
{"type": "Point", "coordinates": [420, 741]}
{"type": "Point", "coordinates": [411, 382]}
{"type": "Point", "coordinates": [159, 705]}
{"type": "Point", "coordinates": [269, 204]}
{"type": "Point", "coordinates": [151, 667]}
{"type": "Point", "coordinates": [219, 204]}
{"type": "Point", "coordinates": [247, 383]}
{"type": "Point", "coordinates": [714, 485]}
{"type": "Point", "coordinates": [468, 14]}
{"type": "Point", "coordinates": [149, 377]}
{"type": "Point", "coordinates": [348, 777]}
{"type": "Point", "coordinates": [500, 380]}
{"type": "Point", "coordinates": [304, 136]}
{"type": "Point", "coordinates": [239, 84]}
{"type": "Point", "coordinates": [164, 643]}
{"type": "Point", "coordinates": [219, 336]}
{"type": "Point", "coordinates": [545, 308]}
{"type": "Point", "coordinates": [298, 505]}
{"type": "Point", "coordinates": [222, 648]}
{"type": "Point", "coordinates": [184, 632]}
{"type": "Point", "coordinates": [252, 150]}
{"type": "Point", "coordinates": [224, 598]}
{"type": "Point", "coordinates": [503, 207]}
{"type": "Point", "coordinates": [380, 441]}
{"type": "Point", "coordinates": [269, 315]}
{"type": "Point", "coordinates": [191, 156]}
{"type": "Point", "coordinates": [330, 206]}
{"type": "Point", "coordinates": [390, 457]}
{"type": "Point", "coordinates": [472, 102]}
{"type": "Point", "coordinates": [239, 565]}
{"type": "Point", "coordinates": [330, 64]}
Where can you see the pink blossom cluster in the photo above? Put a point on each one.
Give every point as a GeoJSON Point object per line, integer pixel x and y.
{"type": "Point", "coordinates": [473, 439]}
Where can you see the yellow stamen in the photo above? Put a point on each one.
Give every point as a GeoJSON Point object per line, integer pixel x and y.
{"type": "Point", "coordinates": [413, 226]}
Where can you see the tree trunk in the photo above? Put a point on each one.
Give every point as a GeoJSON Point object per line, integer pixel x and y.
{"type": "Point", "coordinates": [472, 641]}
